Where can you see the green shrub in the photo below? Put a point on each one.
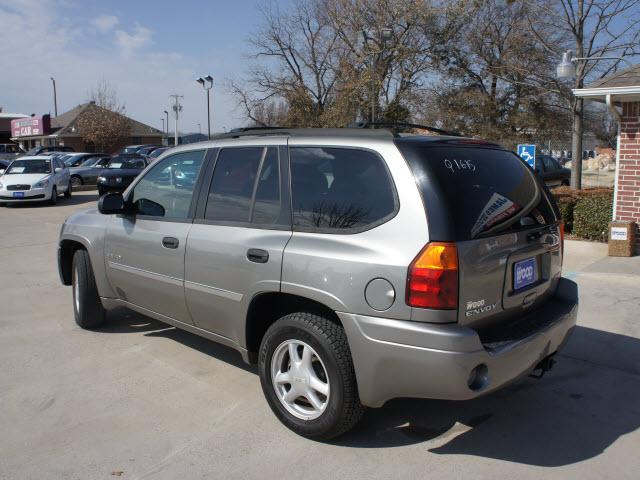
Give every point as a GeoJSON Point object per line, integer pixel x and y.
{"type": "Point", "coordinates": [566, 205]}
{"type": "Point", "coordinates": [591, 216]}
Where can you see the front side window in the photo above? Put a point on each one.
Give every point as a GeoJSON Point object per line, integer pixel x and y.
{"type": "Point", "coordinates": [245, 187]}
{"type": "Point", "coordinates": [339, 189]}
{"type": "Point", "coordinates": [167, 188]}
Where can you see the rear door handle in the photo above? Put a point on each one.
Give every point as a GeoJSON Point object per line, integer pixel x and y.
{"type": "Point", "coordinates": [257, 255]}
{"type": "Point", "coordinates": [170, 242]}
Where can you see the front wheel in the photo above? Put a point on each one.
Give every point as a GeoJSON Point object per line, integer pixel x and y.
{"type": "Point", "coordinates": [307, 376]}
{"type": "Point", "coordinates": [54, 196]}
{"type": "Point", "coordinates": [87, 307]}
{"type": "Point", "coordinates": [68, 193]}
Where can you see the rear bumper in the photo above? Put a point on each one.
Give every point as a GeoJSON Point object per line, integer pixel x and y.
{"type": "Point", "coordinates": [396, 358]}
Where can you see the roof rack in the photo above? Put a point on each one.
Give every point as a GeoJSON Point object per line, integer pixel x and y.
{"type": "Point", "coordinates": [400, 125]}
{"type": "Point", "coordinates": [319, 132]}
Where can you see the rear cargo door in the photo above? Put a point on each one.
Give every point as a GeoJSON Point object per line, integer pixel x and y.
{"type": "Point", "coordinates": [502, 220]}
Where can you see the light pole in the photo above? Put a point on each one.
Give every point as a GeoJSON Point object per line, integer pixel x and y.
{"type": "Point", "coordinates": [162, 125]}
{"type": "Point", "coordinates": [167, 124]}
{"type": "Point", "coordinates": [207, 84]}
{"type": "Point", "coordinates": [385, 35]}
{"type": "Point", "coordinates": [566, 69]}
{"type": "Point", "coordinates": [55, 97]}
{"type": "Point", "coordinates": [177, 108]}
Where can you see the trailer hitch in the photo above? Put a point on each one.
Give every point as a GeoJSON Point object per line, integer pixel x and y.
{"type": "Point", "coordinates": [545, 365]}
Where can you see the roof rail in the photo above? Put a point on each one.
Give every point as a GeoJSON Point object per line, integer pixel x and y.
{"type": "Point", "coordinates": [398, 125]}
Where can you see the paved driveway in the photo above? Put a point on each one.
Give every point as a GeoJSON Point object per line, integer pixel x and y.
{"type": "Point", "coordinates": [147, 400]}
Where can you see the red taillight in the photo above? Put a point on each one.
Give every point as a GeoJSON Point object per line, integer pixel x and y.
{"type": "Point", "coordinates": [432, 281]}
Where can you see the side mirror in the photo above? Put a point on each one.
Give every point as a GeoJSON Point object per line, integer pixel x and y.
{"type": "Point", "coordinates": [111, 203]}
{"type": "Point", "coordinates": [57, 170]}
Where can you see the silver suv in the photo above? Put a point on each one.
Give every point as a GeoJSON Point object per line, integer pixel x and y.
{"type": "Point", "coordinates": [353, 266]}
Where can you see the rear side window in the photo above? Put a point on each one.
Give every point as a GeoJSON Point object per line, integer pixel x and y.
{"type": "Point", "coordinates": [339, 190]}
{"type": "Point", "coordinates": [245, 187]}
{"type": "Point", "coordinates": [470, 192]}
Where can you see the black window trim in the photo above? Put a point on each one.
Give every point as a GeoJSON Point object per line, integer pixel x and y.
{"type": "Point", "coordinates": [285, 198]}
{"type": "Point", "coordinates": [194, 197]}
{"type": "Point", "coordinates": [347, 231]}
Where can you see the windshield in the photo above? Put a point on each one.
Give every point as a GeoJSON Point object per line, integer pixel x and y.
{"type": "Point", "coordinates": [131, 149]}
{"type": "Point", "coordinates": [90, 162]}
{"type": "Point", "coordinates": [156, 153]}
{"type": "Point", "coordinates": [476, 191]}
{"type": "Point", "coordinates": [126, 162]}
{"type": "Point", "coordinates": [67, 159]}
{"type": "Point", "coordinates": [29, 166]}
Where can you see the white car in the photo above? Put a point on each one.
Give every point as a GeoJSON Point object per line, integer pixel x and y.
{"type": "Point", "coordinates": [34, 179]}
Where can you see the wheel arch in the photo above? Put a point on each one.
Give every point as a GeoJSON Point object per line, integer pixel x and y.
{"type": "Point", "coordinates": [66, 250]}
{"type": "Point", "coordinates": [266, 308]}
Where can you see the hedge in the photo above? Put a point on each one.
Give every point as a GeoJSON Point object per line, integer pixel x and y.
{"type": "Point", "coordinates": [586, 213]}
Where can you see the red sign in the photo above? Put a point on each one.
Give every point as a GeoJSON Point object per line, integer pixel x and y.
{"type": "Point", "coordinates": [30, 126]}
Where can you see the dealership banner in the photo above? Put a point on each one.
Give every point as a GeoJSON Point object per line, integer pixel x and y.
{"type": "Point", "coordinates": [31, 126]}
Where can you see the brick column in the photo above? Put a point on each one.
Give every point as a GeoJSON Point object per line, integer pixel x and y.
{"type": "Point", "coordinates": [628, 192]}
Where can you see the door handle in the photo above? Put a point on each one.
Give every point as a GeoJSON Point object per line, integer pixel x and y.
{"type": "Point", "coordinates": [257, 255]}
{"type": "Point", "coordinates": [170, 242]}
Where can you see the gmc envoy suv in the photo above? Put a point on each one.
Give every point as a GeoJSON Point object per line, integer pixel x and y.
{"type": "Point", "coordinates": [352, 265]}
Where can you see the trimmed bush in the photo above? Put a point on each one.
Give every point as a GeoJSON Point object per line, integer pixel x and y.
{"type": "Point", "coordinates": [591, 216]}
{"type": "Point", "coordinates": [566, 205]}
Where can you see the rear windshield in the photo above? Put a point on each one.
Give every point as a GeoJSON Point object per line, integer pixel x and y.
{"type": "Point", "coordinates": [472, 192]}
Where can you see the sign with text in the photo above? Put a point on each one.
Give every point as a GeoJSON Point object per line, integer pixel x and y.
{"type": "Point", "coordinates": [31, 126]}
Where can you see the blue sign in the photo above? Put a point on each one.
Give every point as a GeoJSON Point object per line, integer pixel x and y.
{"type": "Point", "coordinates": [528, 154]}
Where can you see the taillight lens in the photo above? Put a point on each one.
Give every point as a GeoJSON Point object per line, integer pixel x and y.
{"type": "Point", "coordinates": [432, 281]}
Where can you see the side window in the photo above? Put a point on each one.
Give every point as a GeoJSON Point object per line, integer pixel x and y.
{"type": "Point", "coordinates": [549, 164]}
{"type": "Point", "coordinates": [167, 189]}
{"type": "Point", "coordinates": [339, 189]}
{"type": "Point", "coordinates": [245, 186]}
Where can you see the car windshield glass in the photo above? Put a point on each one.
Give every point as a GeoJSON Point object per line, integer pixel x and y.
{"type": "Point", "coordinates": [90, 161]}
{"type": "Point", "coordinates": [29, 166]}
{"type": "Point", "coordinates": [67, 159]}
{"type": "Point", "coordinates": [156, 153]}
{"type": "Point", "coordinates": [33, 151]}
{"type": "Point", "coordinates": [483, 191]}
{"type": "Point", "coordinates": [131, 149]}
{"type": "Point", "coordinates": [123, 162]}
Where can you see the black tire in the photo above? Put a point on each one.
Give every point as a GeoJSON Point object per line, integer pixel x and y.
{"type": "Point", "coordinates": [328, 339]}
{"type": "Point", "coordinates": [69, 191]}
{"type": "Point", "coordinates": [76, 181]}
{"type": "Point", "coordinates": [54, 196]}
{"type": "Point", "coordinates": [87, 308]}
{"type": "Point", "coordinates": [100, 192]}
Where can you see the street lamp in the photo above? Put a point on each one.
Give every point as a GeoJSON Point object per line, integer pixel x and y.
{"type": "Point", "coordinates": [566, 69]}
{"type": "Point", "coordinates": [162, 125]}
{"type": "Point", "coordinates": [207, 84]}
{"type": "Point", "coordinates": [167, 124]}
{"type": "Point", "coordinates": [385, 34]}
{"type": "Point", "coordinates": [55, 97]}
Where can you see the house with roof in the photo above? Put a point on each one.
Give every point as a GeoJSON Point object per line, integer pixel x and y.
{"type": "Point", "coordinates": [63, 130]}
{"type": "Point", "coordinates": [621, 93]}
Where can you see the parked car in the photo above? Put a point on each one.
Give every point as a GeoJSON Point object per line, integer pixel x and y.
{"type": "Point", "coordinates": [134, 148]}
{"type": "Point", "coordinates": [88, 172]}
{"type": "Point", "coordinates": [353, 266]}
{"type": "Point", "coordinates": [551, 172]}
{"type": "Point", "coordinates": [148, 150]}
{"type": "Point", "coordinates": [157, 152]}
{"type": "Point", "coordinates": [120, 172]}
{"type": "Point", "coordinates": [34, 179]}
{"type": "Point", "coordinates": [9, 151]}
{"type": "Point", "coordinates": [77, 159]}
{"type": "Point", "coordinates": [42, 150]}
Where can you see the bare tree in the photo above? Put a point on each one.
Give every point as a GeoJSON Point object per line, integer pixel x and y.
{"type": "Point", "coordinates": [103, 122]}
{"type": "Point", "coordinates": [592, 28]}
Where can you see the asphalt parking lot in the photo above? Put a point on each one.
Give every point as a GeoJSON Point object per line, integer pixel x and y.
{"type": "Point", "coordinates": [139, 399]}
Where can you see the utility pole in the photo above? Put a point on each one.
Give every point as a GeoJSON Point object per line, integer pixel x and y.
{"type": "Point", "coordinates": [177, 108]}
{"type": "Point", "coordinates": [55, 97]}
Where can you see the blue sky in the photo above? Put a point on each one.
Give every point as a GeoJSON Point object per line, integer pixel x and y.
{"type": "Point", "coordinates": [145, 49]}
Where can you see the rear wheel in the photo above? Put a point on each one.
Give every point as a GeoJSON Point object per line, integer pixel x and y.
{"type": "Point", "coordinates": [54, 196]}
{"type": "Point", "coordinates": [76, 181]}
{"type": "Point", "coordinates": [87, 307]}
{"type": "Point", "coordinates": [307, 376]}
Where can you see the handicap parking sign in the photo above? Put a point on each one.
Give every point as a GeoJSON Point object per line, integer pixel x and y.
{"type": "Point", "coordinates": [528, 154]}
